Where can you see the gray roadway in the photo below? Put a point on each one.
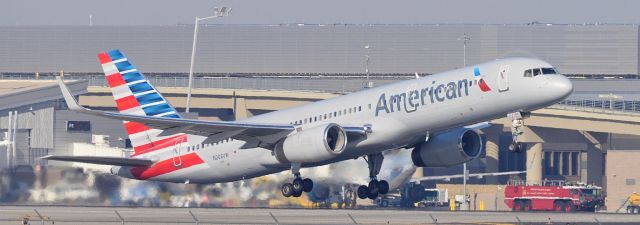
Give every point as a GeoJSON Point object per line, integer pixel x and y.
{"type": "Point", "coordinates": [107, 215]}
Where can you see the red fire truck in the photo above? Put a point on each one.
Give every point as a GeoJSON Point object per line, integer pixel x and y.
{"type": "Point", "coordinates": [552, 196]}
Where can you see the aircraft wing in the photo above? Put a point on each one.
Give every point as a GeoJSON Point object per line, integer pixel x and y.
{"type": "Point", "coordinates": [257, 134]}
{"type": "Point", "coordinates": [214, 129]}
{"type": "Point", "coordinates": [102, 160]}
{"type": "Point", "coordinates": [476, 175]}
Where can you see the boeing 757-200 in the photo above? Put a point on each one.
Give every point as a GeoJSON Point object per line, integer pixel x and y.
{"type": "Point", "coordinates": [430, 115]}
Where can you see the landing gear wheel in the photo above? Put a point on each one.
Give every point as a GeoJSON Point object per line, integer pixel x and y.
{"type": "Point", "coordinates": [297, 194]}
{"type": "Point", "coordinates": [297, 184]}
{"type": "Point", "coordinates": [307, 185]}
{"type": "Point", "coordinates": [516, 147]}
{"type": "Point", "coordinates": [363, 192]}
{"type": "Point", "coordinates": [373, 195]}
{"type": "Point", "coordinates": [517, 206]}
{"type": "Point", "coordinates": [383, 187]}
{"type": "Point", "coordinates": [558, 206]}
{"type": "Point", "coordinates": [287, 190]}
{"type": "Point", "coordinates": [568, 207]}
{"type": "Point", "coordinates": [373, 187]}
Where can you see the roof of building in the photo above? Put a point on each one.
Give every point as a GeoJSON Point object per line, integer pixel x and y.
{"type": "Point", "coordinates": [17, 93]}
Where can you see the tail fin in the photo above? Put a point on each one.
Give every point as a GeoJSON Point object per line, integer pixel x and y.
{"type": "Point", "coordinates": [134, 94]}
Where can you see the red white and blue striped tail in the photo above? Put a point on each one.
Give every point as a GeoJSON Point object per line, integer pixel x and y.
{"type": "Point", "coordinates": [134, 94]}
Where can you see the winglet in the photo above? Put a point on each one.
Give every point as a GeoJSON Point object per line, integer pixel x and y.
{"type": "Point", "coordinates": [68, 97]}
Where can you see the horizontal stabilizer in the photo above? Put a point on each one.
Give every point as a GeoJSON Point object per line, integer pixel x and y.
{"type": "Point", "coordinates": [102, 160]}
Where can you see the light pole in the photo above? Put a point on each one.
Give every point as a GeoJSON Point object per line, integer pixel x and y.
{"type": "Point", "coordinates": [465, 37]}
{"type": "Point", "coordinates": [465, 173]}
{"type": "Point", "coordinates": [217, 12]}
{"type": "Point", "coordinates": [368, 83]}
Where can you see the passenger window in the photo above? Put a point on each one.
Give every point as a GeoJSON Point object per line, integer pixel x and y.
{"type": "Point", "coordinates": [536, 72]}
{"type": "Point", "coordinates": [335, 114]}
{"type": "Point", "coordinates": [349, 110]}
{"type": "Point", "coordinates": [325, 116]}
{"type": "Point", "coordinates": [527, 73]}
{"type": "Point", "coordinates": [345, 112]}
{"type": "Point", "coordinates": [359, 108]}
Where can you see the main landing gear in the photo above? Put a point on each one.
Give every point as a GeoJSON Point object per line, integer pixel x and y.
{"type": "Point", "coordinates": [517, 122]}
{"type": "Point", "coordinates": [375, 187]}
{"type": "Point", "coordinates": [298, 185]}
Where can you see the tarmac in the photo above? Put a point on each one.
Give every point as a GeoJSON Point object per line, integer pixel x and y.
{"type": "Point", "coordinates": [123, 215]}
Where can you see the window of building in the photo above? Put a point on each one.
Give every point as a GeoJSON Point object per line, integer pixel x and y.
{"type": "Point", "coordinates": [563, 163]}
{"type": "Point", "coordinates": [630, 181]}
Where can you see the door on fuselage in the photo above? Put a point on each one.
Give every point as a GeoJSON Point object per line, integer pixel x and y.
{"type": "Point", "coordinates": [177, 158]}
{"type": "Point", "coordinates": [503, 78]}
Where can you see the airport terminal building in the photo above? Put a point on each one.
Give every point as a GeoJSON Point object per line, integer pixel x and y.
{"type": "Point", "coordinates": [331, 58]}
{"type": "Point", "coordinates": [575, 49]}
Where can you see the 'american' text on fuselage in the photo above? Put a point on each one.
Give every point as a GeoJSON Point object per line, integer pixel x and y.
{"type": "Point", "coordinates": [410, 100]}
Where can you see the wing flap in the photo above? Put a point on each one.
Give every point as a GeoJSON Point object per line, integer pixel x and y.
{"type": "Point", "coordinates": [102, 160]}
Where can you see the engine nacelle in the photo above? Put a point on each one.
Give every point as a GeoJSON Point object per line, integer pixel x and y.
{"type": "Point", "coordinates": [448, 149]}
{"type": "Point", "coordinates": [313, 144]}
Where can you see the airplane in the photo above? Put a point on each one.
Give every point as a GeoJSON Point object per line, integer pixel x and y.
{"type": "Point", "coordinates": [427, 114]}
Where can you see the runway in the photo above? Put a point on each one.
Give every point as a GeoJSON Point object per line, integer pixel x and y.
{"type": "Point", "coordinates": [116, 215]}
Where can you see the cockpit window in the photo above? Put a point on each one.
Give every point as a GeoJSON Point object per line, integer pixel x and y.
{"type": "Point", "coordinates": [536, 72]}
{"type": "Point", "coordinates": [549, 71]}
{"type": "Point", "coordinates": [539, 71]}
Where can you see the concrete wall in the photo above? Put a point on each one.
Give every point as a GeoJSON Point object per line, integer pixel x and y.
{"type": "Point", "coordinates": [622, 166]}
{"type": "Point", "coordinates": [491, 195]}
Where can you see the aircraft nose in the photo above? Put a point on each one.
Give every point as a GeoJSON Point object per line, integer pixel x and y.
{"type": "Point", "coordinates": [562, 86]}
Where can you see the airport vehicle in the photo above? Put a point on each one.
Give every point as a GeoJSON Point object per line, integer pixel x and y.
{"type": "Point", "coordinates": [634, 203]}
{"type": "Point", "coordinates": [552, 196]}
{"type": "Point", "coordinates": [389, 200]}
{"type": "Point", "coordinates": [430, 115]}
{"type": "Point", "coordinates": [435, 197]}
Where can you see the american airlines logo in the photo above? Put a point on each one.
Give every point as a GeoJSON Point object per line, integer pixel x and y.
{"type": "Point", "coordinates": [480, 81]}
{"type": "Point", "coordinates": [412, 99]}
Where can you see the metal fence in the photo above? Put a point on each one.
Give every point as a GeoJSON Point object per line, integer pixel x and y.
{"type": "Point", "coordinates": [600, 106]}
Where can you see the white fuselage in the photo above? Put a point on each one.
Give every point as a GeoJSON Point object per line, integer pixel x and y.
{"type": "Point", "coordinates": [399, 114]}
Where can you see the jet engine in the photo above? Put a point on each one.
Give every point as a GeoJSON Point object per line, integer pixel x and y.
{"type": "Point", "coordinates": [450, 148]}
{"type": "Point", "coordinates": [313, 144]}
